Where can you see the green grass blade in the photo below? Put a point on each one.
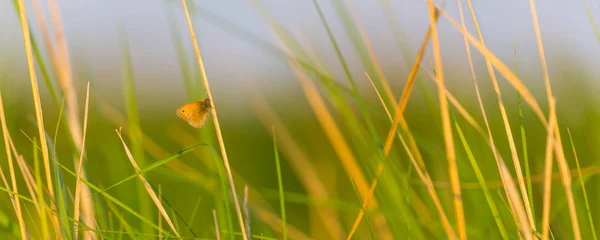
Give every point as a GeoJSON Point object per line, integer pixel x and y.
{"type": "Point", "coordinates": [524, 140]}
{"type": "Point", "coordinates": [481, 181]}
{"type": "Point", "coordinates": [585, 196]}
{"type": "Point", "coordinates": [280, 184]}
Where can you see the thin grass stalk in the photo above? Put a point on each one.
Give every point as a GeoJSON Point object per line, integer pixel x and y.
{"type": "Point", "coordinates": [80, 166]}
{"type": "Point", "coordinates": [11, 169]}
{"type": "Point", "coordinates": [36, 95]}
{"type": "Point", "coordinates": [213, 112]}
{"type": "Point", "coordinates": [507, 128]}
{"type": "Point", "coordinates": [217, 231]}
{"type": "Point", "coordinates": [560, 155]}
{"type": "Point", "coordinates": [448, 139]}
{"type": "Point", "coordinates": [547, 190]}
{"type": "Point", "coordinates": [585, 197]}
{"type": "Point", "coordinates": [148, 187]}
{"type": "Point", "coordinates": [589, 13]}
{"type": "Point", "coordinates": [280, 186]}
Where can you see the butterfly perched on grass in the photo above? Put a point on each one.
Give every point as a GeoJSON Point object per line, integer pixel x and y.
{"type": "Point", "coordinates": [195, 113]}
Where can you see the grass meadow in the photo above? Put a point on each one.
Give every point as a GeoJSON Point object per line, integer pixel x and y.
{"type": "Point", "coordinates": [340, 155]}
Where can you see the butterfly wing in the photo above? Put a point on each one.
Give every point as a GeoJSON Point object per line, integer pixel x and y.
{"type": "Point", "coordinates": [199, 117]}
{"type": "Point", "coordinates": [195, 113]}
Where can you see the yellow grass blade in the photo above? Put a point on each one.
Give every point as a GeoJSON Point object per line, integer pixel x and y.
{"type": "Point", "coordinates": [379, 96]}
{"type": "Point", "coordinates": [80, 165]}
{"type": "Point", "coordinates": [213, 112]}
{"type": "Point", "coordinates": [149, 189]}
{"type": "Point", "coordinates": [398, 116]}
{"type": "Point", "coordinates": [36, 97]}
{"type": "Point", "coordinates": [548, 174]}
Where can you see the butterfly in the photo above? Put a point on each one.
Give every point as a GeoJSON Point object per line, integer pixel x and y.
{"type": "Point", "coordinates": [195, 113]}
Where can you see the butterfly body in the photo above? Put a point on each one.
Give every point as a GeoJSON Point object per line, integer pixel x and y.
{"type": "Point", "coordinates": [195, 113]}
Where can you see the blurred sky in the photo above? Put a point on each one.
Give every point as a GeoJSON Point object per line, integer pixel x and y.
{"type": "Point", "coordinates": [91, 27]}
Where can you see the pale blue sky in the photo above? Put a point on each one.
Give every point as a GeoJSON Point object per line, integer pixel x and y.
{"type": "Point", "coordinates": [91, 29]}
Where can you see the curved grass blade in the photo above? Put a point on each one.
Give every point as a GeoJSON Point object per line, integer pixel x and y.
{"type": "Point", "coordinates": [154, 165]}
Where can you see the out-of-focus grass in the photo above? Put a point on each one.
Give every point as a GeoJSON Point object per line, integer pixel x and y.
{"type": "Point", "coordinates": [331, 142]}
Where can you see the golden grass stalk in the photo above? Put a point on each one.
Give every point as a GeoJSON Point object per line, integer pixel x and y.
{"type": "Point", "coordinates": [560, 155]}
{"type": "Point", "coordinates": [448, 138]}
{"type": "Point", "coordinates": [511, 142]}
{"type": "Point", "coordinates": [385, 108]}
{"type": "Point", "coordinates": [298, 159]}
{"type": "Point", "coordinates": [213, 112]}
{"type": "Point", "coordinates": [80, 165]}
{"type": "Point", "coordinates": [36, 97]}
{"type": "Point", "coordinates": [366, 202]}
{"type": "Point", "coordinates": [149, 189]}
{"type": "Point", "coordinates": [398, 116]}
{"type": "Point", "coordinates": [548, 174]}
{"type": "Point", "coordinates": [11, 169]}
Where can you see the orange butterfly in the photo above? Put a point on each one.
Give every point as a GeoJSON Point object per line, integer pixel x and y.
{"type": "Point", "coordinates": [195, 113]}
